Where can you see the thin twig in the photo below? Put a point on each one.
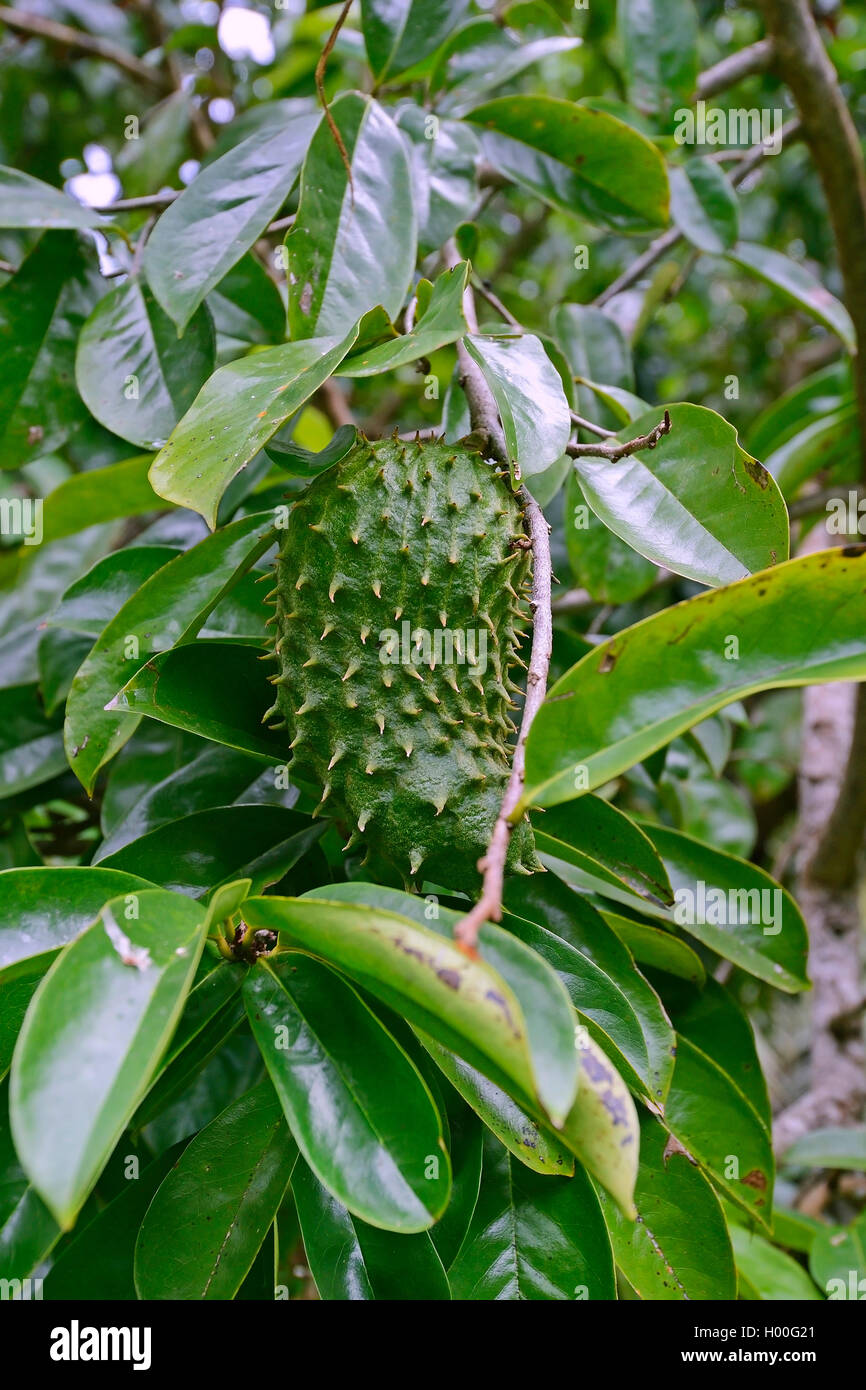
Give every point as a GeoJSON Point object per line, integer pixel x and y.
{"type": "Point", "coordinates": [492, 866]}
{"type": "Point", "coordinates": [148, 200]}
{"type": "Point", "coordinates": [614, 452]}
{"type": "Point", "coordinates": [750, 161]}
{"type": "Point", "coordinates": [584, 424]}
{"type": "Point", "coordinates": [7, 268]}
{"type": "Point", "coordinates": [496, 303]}
{"type": "Point", "coordinates": [320, 89]}
{"type": "Point", "coordinates": [485, 420]}
{"type": "Point", "coordinates": [731, 70]}
{"type": "Point", "coordinates": [34, 25]}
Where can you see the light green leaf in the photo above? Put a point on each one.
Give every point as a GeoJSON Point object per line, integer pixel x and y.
{"type": "Point", "coordinates": [798, 283]}
{"type": "Point", "coordinates": [638, 690]}
{"type": "Point", "coordinates": [93, 1035]}
{"type": "Point", "coordinates": [205, 231]}
{"type": "Point", "coordinates": [528, 392]}
{"type": "Point", "coordinates": [234, 416]}
{"type": "Point", "coordinates": [352, 246]}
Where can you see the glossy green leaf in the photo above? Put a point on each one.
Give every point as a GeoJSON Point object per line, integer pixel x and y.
{"type": "Point", "coordinates": [613, 1001]}
{"type": "Point", "coordinates": [352, 246]}
{"type": "Point", "coordinates": [91, 602]}
{"type": "Point", "coordinates": [234, 416]}
{"type": "Point", "coordinates": [704, 205]}
{"type": "Point", "coordinates": [635, 692]}
{"type": "Point", "coordinates": [594, 835]}
{"type": "Point", "coordinates": [528, 392]}
{"type": "Point", "coordinates": [134, 374]}
{"type": "Point", "coordinates": [442, 322]}
{"type": "Point", "coordinates": [510, 57]}
{"type": "Point", "coordinates": [100, 494]}
{"type": "Point", "coordinates": [93, 1036]}
{"type": "Point", "coordinates": [535, 1146]}
{"type": "Point", "coordinates": [798, 283]}
{"type": "Point", "coordinates": [354, 1262]}
{"type": "Point", "coordinates": [827, 1148]}
{"type": "Point", "coordinates": [191, 854]}
{"type": "Point", "coordinates": [400, 33]}
{"type": "Point", "coordinates": [168, 608]}
{"type": "Point", "coordinates": [584, 161]}
{"type": "Point", "coordinates": [767, 1273]}
{"type": "Point", "coordinates": [736, 909]}
{"type": "Point", "coordinates": [711, 1117]}
{"type": "Point", "coordinates": [28, 202]}
{"type": "Point", "coordinates": [543, 1001]}
{"type": "Point", "coordinates": [205, 231]}
{"type": "Point", "coordinates": [461, 1002]}
{"type": "Point", "coordinates": [594, 345]}
{"type": "Point", "coordinates": [695, 503]}
{"type": "Point", "coordinates": [359, 1110]}
{"type": "Point", "coordinates": [16, 991]}
{"type": "Point", "coordinates": [213, 777]}
{"type": "Point", "coordinates": [42, 311]}
{"type": "Point", "coordinates": [657, 948]}
{"type": "Point", "coordinates": [31, 743]}
{"type": "Point", "coordinates": [837, 1261]}
{"type": "Point", "coordinates": [659, 1253]}
{"type": "Point", "coordinates": [444, 172]}
{"type": "Point", "coordinates": [712, 1020]}
{"type": "Point", "coordinates": [660, 46]}
{"type": "Point", "coordinates": [533, 1237]}
{"type": "Point", "coordinates": [186, 688]}
{"type": "Point", "coordinates": [246, 305]}
{"type": "Point", "coordinates": [99, 1258]}
{"type": "Point", "coordinates": [28, 1231]}
{"type": "Point", "coordinates": [209, 1218]}
{"type": "Point", "coordinates": [465, 1144]}
{"type": "Point", "coordinates": [42, 909]}
{"type": "Point", "coordinates": [607, 567]}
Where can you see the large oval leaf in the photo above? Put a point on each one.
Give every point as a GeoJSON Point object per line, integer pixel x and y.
{"type": "Point", "coordinates": [533, 1237]}
{"type": "Point", "coordinates": [357, 1106]}
{"type": "Point", "coordinates": [41, 909]}
{"type": "Point", "coordinates": [205, 231]}
{"type": "Point", "coordinates": [695, 503]}
{"type": "Point", "coordinates": [169, 607]}
{"type": "Point", "coordinates": [638, 690]}
{"type": "Point", "coordinates": [220, 1198]}
{"type": "Point", "coordinates": [234, 416]}
{"type": "Point", "coordinates": [595, 836]}
{"type": "Point", "coordinates": [582, 160]}
{"type": "Point", "coordinates": [133, 373]}
{"type": "Point", "coordinates": [353, 243]}
{"type": "Point", "coordinates": [93, 1036]}
{"type": "Point", "coordinates": [352, 1261]}
{"type": "Point", "coordinates": [543, 1001]}
{"type": "Point", "coordinates": [658, 1254]}
{"type": "Point", "coordinates": [528, 392]}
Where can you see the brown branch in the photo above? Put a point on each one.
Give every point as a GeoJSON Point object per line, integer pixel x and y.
{"type": "Point", "coordinates": [614, 452]}
{"type": "Point", "coordinates": [832, 785]}
{"type": "Point", "coordinates": [484, 417]}
{"type": "Point", "coordinates": [584, 424]}
{"type": "Point", "coordinates": [750, 161]}
{"type": "Point", "coordinates": [731, 70]}
{"type": "Point", "coordinates": [35, 26]}
{"type": "Point", "coordinates": [332, 402]}
{"type": "Point", "coordinates": [495, 302]}
{"type": "Point", "coordinates": [492, 866]}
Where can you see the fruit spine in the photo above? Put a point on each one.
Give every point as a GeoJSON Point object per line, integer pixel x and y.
{"type": "Point", "coordinates": [399, 597]}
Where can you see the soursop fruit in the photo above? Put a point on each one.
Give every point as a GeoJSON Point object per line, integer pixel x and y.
{"type": "Point", "coordinates": [399, 600]}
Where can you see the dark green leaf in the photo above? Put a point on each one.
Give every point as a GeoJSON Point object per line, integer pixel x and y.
{"type": "Point", "coordinates": [358, 1108]}
{"type": "Point", "coordinates": [93, 1036]}
{"type": "Point", "coordinates": [133, 372]}
{"type": "Point", "coordinates": [223, 1195]}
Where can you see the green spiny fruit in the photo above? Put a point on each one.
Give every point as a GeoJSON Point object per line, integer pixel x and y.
{"type": "Point", "coordinates": [398, 606]}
